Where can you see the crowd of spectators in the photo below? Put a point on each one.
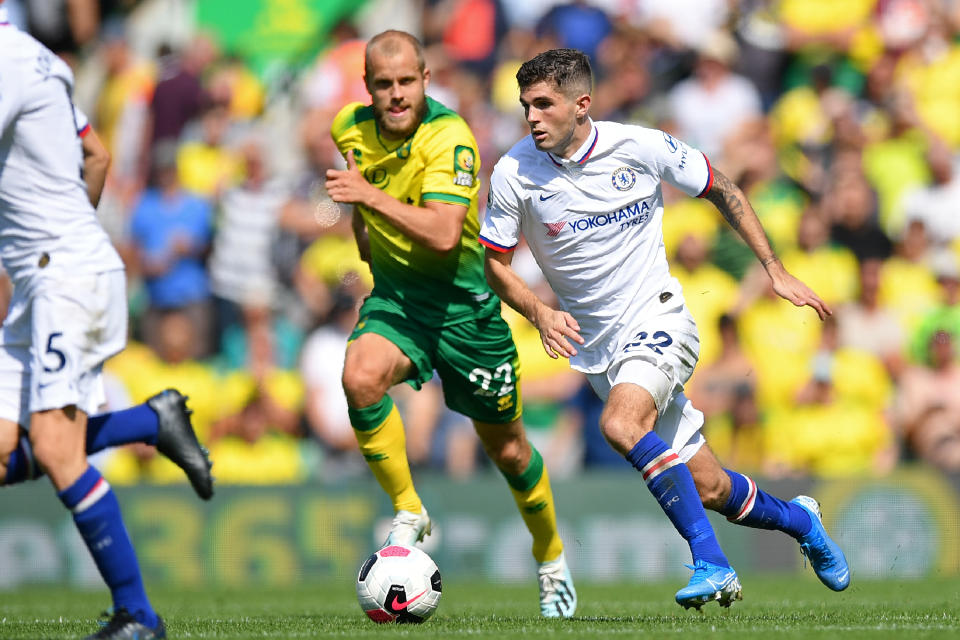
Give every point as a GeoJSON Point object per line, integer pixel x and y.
{"type": "Point", "coordinates": [840, 120]}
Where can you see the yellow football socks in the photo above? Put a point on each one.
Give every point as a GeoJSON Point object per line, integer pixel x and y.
{"type": "Point", "coordinates": [383, 443]}
{"type": "Point", "coordinates": [532, 493]}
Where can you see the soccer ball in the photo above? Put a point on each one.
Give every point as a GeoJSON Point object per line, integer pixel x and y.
{"type": "Point", "coordinates": [399, 584]}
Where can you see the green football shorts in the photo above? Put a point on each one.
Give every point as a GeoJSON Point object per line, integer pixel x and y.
{"type": "Point", "coordinates": [476, 359]}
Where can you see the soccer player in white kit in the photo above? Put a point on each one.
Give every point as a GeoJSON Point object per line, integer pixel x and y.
{"type": "Point", "coordinates": [587, 197]}
{"type": "Point", "coordinates": [67, 316]}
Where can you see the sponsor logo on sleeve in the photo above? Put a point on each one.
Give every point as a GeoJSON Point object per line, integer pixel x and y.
{"type": "Point", "coordinates": [44, 64]}
{"type": "Point", "coordinates": [675, 145]}
{"type": "Point", "coordinates": [672, 143]}
{"type": "Point", "coordinates": [464, 160]}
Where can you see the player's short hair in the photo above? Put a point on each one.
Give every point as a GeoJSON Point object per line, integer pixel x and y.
{"type": "Point", "coordinates": [569, 69]}
{"type": "Point", "coordinates": [389, 43]}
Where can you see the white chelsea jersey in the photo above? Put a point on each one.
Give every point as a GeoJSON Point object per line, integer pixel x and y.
{"type": "Point", "coordinates": [47, 224]}
{"type": "Point", "coordinates": [593, 223]}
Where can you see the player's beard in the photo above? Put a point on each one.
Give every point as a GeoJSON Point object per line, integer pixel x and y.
{"type": "Point", "coordinates": [398, 133]}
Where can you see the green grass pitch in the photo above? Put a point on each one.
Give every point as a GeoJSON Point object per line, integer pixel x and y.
{"type": "Point", "coordinates": [785, 607]}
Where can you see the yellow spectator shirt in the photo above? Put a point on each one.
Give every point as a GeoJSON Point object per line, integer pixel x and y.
{"type": "Point", "coordinates": [825, 16]}
{"type": "Point", "coordinates": [834, 440]}
{"type": "Point", "coordinates": [830, 271]}
{"type": "Point", "coordinates": [203, 169]}
{"type": "Point", "coordinates": [935, 89]}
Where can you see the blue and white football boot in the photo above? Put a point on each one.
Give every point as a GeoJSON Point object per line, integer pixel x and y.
{"type": "Point", "coordinates": [710, 582]}
{"type": "Point", "coordinates": [824, 554]}
{"type": "Point", "coordinates": [558, 598]}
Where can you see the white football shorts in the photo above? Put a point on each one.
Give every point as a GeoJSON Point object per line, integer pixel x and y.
{"type": "Point", "coordinates": [54, 343]}
{"type": "Point", "coordinates": [659, 354]}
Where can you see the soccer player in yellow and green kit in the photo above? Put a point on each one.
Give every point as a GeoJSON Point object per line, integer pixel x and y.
{"type": "Point", "coordinates": [412, 178]}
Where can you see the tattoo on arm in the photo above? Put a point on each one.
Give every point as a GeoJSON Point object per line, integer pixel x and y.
{"type": "Point", "coordinates": [727, 197]}
{"type": "Point", "coordinates": [733, 205]}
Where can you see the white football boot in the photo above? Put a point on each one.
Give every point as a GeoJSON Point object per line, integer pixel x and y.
{"type": "Point", "coordinates": [558, 598]}
{"type": "Point", "coordinates": [409, 528]}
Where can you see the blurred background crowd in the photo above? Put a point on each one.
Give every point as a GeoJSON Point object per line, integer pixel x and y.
{"type": "Point", "coordinates": [839, 119]}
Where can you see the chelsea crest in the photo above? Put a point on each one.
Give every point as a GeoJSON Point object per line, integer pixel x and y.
{"type": "Point", "coordinates": [623, 179]}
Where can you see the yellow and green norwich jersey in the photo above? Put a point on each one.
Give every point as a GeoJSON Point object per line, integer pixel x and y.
{"type": "Point", "coordinates": [439, 163]}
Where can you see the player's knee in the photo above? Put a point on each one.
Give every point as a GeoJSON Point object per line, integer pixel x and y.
{"type": "Point", "coordinates": [363, 386]}
{"type": "Point", "coordinates": [623, 432]}
{"type": "Point", "coordinates": [509, 455]}
{"type": "Point", "coordinates": [50, 452]}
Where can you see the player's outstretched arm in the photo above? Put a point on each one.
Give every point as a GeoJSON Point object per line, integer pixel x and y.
{"type": "Point", "coordinates": [738, 213]}
{"type": "Point", "coordinates": [555, 326]}
{"type": "Point", "coordinates": [436, 225]}
{"type": "Point", "coordinates": [96, 162]}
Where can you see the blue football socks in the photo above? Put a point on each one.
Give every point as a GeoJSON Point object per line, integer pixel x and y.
{"type": "Point", "coordinates": [136, 424]}
{"type": "Point", "coordinates": [671, 484]}
{"type": "Point", "coordinates": [751, 507]}
{"type": "Point", "coordinates": [96, 513]}
{"type": "Point", "coordinates": [21, 465]}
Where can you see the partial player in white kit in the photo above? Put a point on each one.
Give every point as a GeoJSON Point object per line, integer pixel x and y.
{"type": "Point", "coordinates": [67, 316]}
{"type": "Point", "coordinates": [587, 198]}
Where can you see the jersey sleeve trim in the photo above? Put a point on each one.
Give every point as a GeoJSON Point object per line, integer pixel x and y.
{"type": "Point", "coordinates": [490, 244]}
{"type": "Point", "coordinates": [433, 196]}
{"type": "Point", "coordinates": [84, 131]}
{"type": "Point", "coordinates": [709, 185]}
